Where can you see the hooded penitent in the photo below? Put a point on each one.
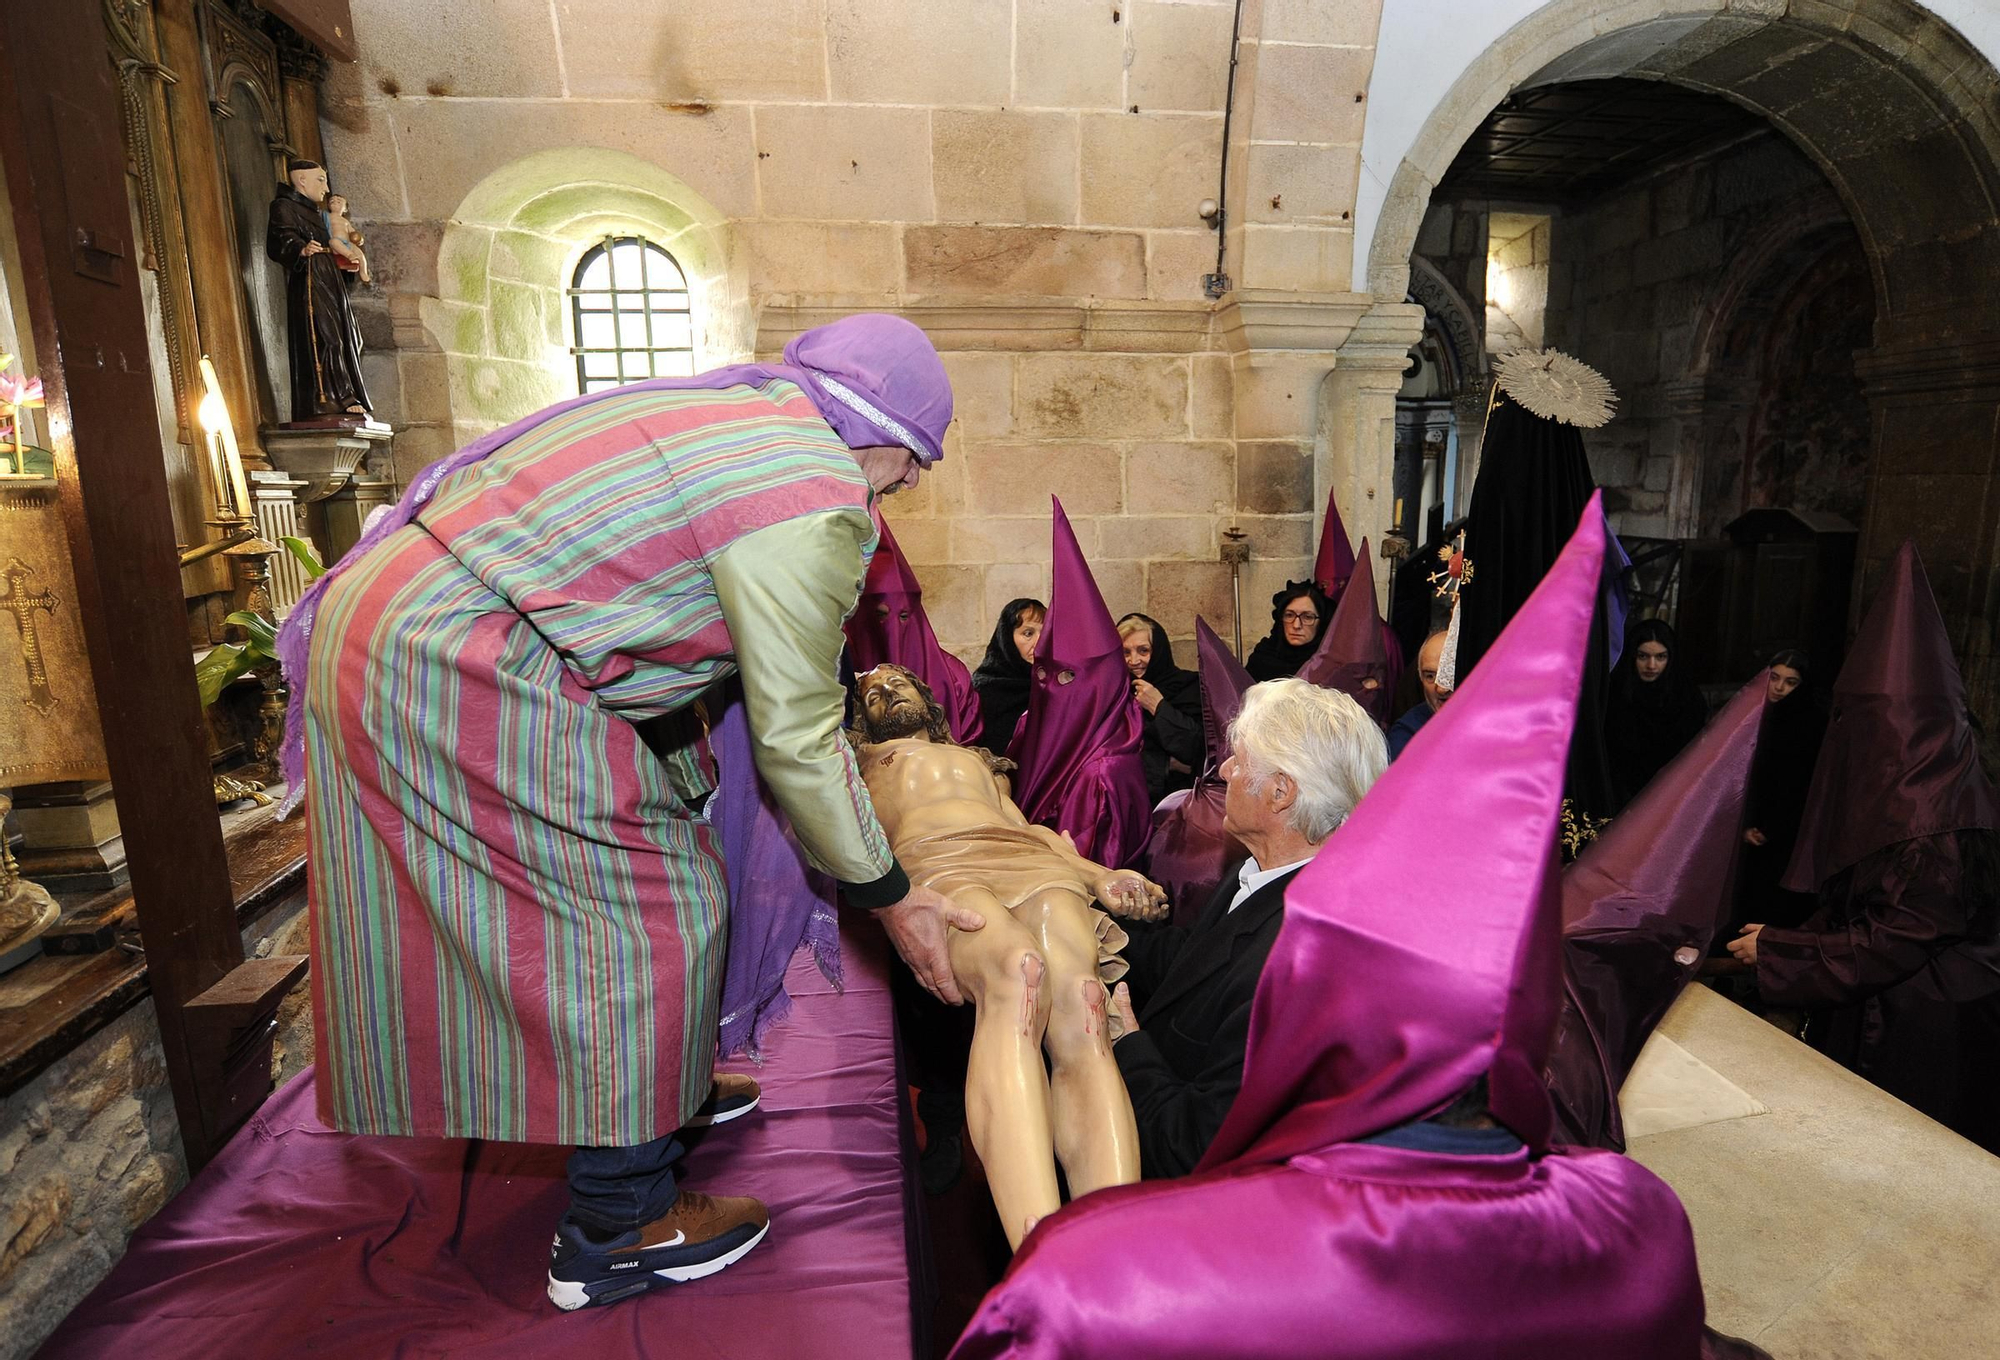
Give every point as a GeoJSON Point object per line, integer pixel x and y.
{"type": "Point", "coordinates": [1900, 759]}
{"type": "Point", "coordinates": [888, 624]}
{"type": "Point", "coordinates": [1335, 562]}
{"type": "Point", "coordinates": [1078, 749]}
{"type": "Point", "coordinates": [1189, 853]}
{"type": "Point", "coordinates": [1319, 1224]}
{"type": "Point", "coordinates": [1353, 653]}
{"type": "Point", "coordinates": [1640, 906]}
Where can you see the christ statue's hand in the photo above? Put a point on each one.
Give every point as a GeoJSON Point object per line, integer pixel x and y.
{"type": "Point", "coordinates": [1125, 893]}
{"type": "Point", "coordinates": [917, 927]}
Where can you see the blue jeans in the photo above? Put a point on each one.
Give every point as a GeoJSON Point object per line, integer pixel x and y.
{"type": "Point", "coordinates": [614, 1190]}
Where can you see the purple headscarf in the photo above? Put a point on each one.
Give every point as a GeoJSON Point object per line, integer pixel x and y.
{"type": "Point", "coordinates": [877, 380]}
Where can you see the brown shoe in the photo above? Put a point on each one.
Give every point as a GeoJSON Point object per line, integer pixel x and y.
{"type": "Point", "coordinates": [699, 1236]}
{"type": "Point", "coordinates": [733, 1096]}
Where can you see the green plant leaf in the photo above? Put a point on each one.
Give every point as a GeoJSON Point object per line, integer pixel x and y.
{"type": "Point", "coordinates": [263, 640]}
{"type": "Point", "coordinates": [308, 559]}
{"type": "Point", "coordinates": [225, 663]}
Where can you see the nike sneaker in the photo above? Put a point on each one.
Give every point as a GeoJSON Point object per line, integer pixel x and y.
{"type": "Point", "coordinates": [734, 1095]}
{"type": "Point", "coordinates": [699, 1236]}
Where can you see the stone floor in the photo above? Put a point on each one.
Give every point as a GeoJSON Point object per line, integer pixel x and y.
{"type": "Point", "coordinates": [1833, 1221]}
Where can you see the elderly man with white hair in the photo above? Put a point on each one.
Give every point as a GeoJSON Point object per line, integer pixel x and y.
{"type": "Point", "coordinates": [1302, 758]}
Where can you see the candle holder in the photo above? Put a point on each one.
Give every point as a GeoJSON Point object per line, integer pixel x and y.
{"type": "Point", "coordinates": [26, 909]}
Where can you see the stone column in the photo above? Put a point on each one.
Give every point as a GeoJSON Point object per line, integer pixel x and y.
{"type": "Point", "coordinates": [1358, 421]}
{"type": "Point", "coordinates": [1935, 408]}
{"type": "Point", "coordinates": [218, 292]}
{"type": "Point", "coordinates": [302, 68]}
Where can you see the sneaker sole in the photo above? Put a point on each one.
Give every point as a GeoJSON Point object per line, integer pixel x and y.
{"type": "Point", "coordinates": [705, 1121]}
{"type": "Point", "coordinates": [570, 1295]}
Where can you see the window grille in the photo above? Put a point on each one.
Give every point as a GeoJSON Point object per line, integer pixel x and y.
{"type": "Point", "coordinates": [630, 316]}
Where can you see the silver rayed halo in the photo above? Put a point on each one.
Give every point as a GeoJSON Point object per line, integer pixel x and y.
{"type": "Point", "coordinates": [1550, 384]}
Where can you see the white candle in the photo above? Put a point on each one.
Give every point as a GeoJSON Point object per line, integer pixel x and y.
{"type": "Point", "coordinates": [215, 468]}
{"type": "Point", "coordinates": [237, 486]}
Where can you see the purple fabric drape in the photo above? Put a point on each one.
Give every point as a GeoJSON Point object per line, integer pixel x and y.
{"type": "Point", "coordinates": [1078, 747]}
{"type": "Point", "coordinates": [764, 866]}
{"type": "Point", "coordinates": [1900, 759]}
{"type": "Point", "coordinates": [302, 1241]}
{"type": "Point", "coordinates": [1189, 854]}
{"type": "Point", "coordinates": [1400, 975]}
{"type": "Point", "coordinates": [1355, 650]}
{"type": "Point", "coordinates": [877, 380]}
{"type": "Point", "coordinates": [889, 624]}
{"type": "Point", "coordinates": [1640, 907]}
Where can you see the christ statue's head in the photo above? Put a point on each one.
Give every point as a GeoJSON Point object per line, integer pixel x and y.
{"type": "Point", "coordinates": [896, 703]}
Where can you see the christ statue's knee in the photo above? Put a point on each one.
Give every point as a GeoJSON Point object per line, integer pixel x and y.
{"type": "Point", "coordinates": [1011, 982]}
{"type": "Point", "coordinates": [1079, 1017]}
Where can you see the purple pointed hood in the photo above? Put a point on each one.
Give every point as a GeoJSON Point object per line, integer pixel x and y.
{"type": "Point", "coordinates": [1223, 681]}
{"type": "Point", "coordinates": [1640, 908]}
{"type": "Point", "coordinates": [1335, 562]}
{"type": "Point", "coordinates": [1402, 975]}
{"type": "Point", "coordinates": [1353, 653]}
{"type": "Point", "coordinates": [1078, 748]}
{"type": "Point", "coordinates": [889, 624]}
{"type": "Point", "coordinates": [1189, 854]}
{"type": "Point", "coordinates": [1900, 759]}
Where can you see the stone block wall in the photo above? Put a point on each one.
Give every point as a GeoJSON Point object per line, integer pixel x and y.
{"type": "Point", "coordinates": [90, 1149]}
{"type": "Point", "coordinates": [1020, 176]}
{"type": "Point", "coordinates": [1651, 286]}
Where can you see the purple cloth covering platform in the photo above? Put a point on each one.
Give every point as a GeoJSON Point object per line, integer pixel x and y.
{"type": "Point", "coordinates": [301, 1241]}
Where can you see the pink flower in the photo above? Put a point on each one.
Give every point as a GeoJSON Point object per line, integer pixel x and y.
{"type": "Point", "coordinates": [17, 391]}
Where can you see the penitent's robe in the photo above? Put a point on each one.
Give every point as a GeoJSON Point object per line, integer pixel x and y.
{"type": "Point", "coordinates": [1359, 1252]}
{"type": "Point", "coordinates": [518, 920]}
{"type": "Point", "coordinates": [1897, 983]}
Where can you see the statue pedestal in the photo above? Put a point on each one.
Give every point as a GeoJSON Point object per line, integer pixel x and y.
{"type": "Point", "coordinates": [342, 463]}
{"type": "Point", "coordinates": [71, 837]}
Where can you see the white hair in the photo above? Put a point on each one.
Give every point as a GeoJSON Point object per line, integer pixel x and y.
{"type": "Point", "coordinates": [1320, 739]}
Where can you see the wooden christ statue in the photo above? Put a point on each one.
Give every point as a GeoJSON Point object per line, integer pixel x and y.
{"type": "Point", "coordinates": [325, 346]}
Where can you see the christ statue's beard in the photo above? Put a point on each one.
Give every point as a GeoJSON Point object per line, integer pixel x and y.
{"type": "Point", "coordinates": [905, 719]}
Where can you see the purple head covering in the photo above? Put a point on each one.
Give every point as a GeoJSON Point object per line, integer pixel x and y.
{"type": "Point", "coordinates": [875, 378]}
{"type": "Point", "coordinates": [889, 624]}
{"type": "Point", "coordinates": [1900, 759]}
{"type": "Point", "coordinates": [1189, 853]}
{"type": "Point", "coordinates": [1336, 558]}
{"type": "Point", "coordinates": [1640, 906]}
{"type": "Point", "coordinates": [1353, 651]}
{"type": "Point", "coordinates": [1447, 965]}
{"type": "Point", "coordinates": [1078, 747]}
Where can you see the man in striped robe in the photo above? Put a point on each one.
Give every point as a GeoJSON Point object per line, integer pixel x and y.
{"type": "Point", "coordinates": [519, 919]}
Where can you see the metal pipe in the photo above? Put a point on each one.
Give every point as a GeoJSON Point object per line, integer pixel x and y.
{"type": "Point", "coordinates": [193, 555]}
{"type": "Point", "coordinates": [1216, 284]}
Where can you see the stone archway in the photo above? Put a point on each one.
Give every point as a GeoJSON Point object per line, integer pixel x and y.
{"type": "Point", "coordinates": [1892, 104]}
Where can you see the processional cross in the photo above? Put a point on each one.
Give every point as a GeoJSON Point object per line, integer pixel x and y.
{"type": "Point", "coordinates": [22, 605]}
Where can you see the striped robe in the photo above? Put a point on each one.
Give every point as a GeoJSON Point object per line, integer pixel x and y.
{"type": "Point", "coordinates": [518, 923]}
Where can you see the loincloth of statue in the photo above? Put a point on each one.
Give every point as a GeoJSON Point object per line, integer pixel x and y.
{"type": "Point", "coordinates": [1013, 864]}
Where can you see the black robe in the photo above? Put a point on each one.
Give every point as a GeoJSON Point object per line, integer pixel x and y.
{"type": "Point", "coordinates": [325, 346]}
{"type": "Point", "coordinates": [1534, 482]}
{"type": "Point", "coordinates": [1899, 971]}
{"type": "Point", "coordinates": [1173, 731]}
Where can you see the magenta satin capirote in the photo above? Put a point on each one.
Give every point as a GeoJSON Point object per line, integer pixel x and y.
{"type": "Point", "coordinates": [1402, 974]}
{"type": "Point", "coordinates": [1078, 747]}
{"type": "Point", "coordinates": [889, 624]}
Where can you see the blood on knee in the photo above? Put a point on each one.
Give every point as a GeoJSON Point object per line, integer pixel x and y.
{"type": "Point", "coordinates": [1032, 972]}
{"type": "Point", "coordinates": [1095, 1001]}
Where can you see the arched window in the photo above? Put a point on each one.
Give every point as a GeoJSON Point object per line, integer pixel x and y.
{"type": "Point", "coordinates": [629, 315]}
